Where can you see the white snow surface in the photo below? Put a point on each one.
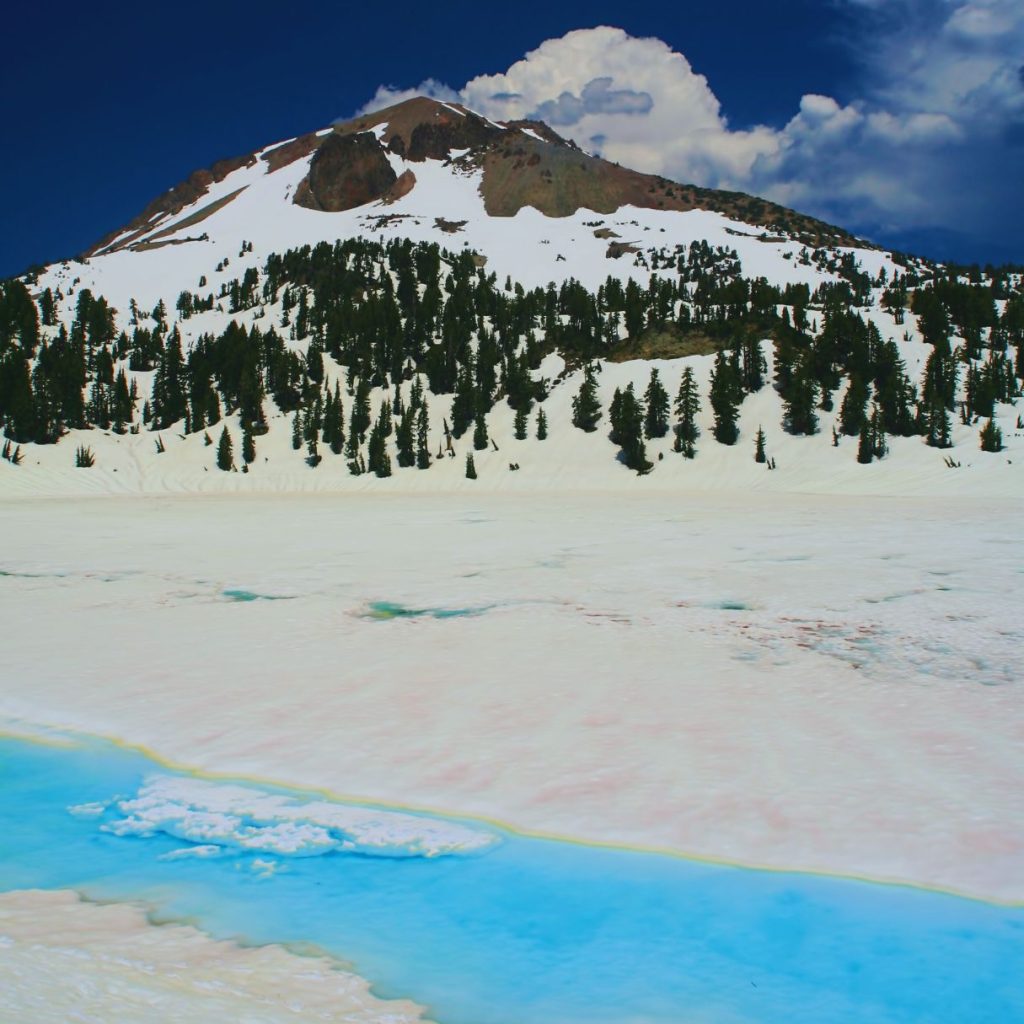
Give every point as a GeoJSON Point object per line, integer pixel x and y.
{"type": "Point", "coordinates": [827, 682]}
{"type": "Point", "coordinates": [250, 819]}
{"type": "Point", "coordinates": [62, 960]}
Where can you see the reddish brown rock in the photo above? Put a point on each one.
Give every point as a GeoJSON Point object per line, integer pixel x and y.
{"type": "Point", "coordinates": [347, 171]}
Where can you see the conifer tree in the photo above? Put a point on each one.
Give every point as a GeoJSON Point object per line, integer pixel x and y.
{"type": "Point", "coordinates": [225, 452]}
{"type": "Point", "coordinates": [628, 430]}
{"type": "Point", "coordinates": [686, 409]}
{"type": "Point", "coordinates": [724, 401]}
{"type": "Point", "coordinates": [423, 438]}
{"type": "Point", "coordinates": [248, 445]}
{"type": "Point", "coordinates": [853, 410]}
{"type": "Point", "coordinates": [755, 366]}
{"type": "Point", "coordinates": [521, 421]}
{"type": "Point", "coordinates": [799, 416]}
{"type": "Point", "coordinates": [865, 447]}
{"type": "Point", "coordinates": [416, 394]}
{"type": "Point", "coordinates": [542, 425]}
{"type": "Point", "coordinates": [938, 427]}
{"type": "Point", "coordinates": [991, 437]}
{"type": "Point", "coordinates": [759, 443]}
{"type": "Point", "coordinates": [586, 408]}
{"type": "Point", "coordinates": [656, 401]}
{"type": "Point", "coordinates": [297, 430]}
{"type": "Point", "coordinates": [880, 446]}
{"type": "Point", "coordinates": [352, 441]}
{"type": "Point", "coordinates": [480, 439]}
{"type": "Point", "coordinates": [313, 456]}
{"type": "Point", "coordinates": [377, 459]}
{"type": "Point", "coordinates": [360, 422]}
{"type": "Point", "coordinates": [872, 443]}
{"type": "Point", "coordinates": [615, 416]}
{"type": "Point", "coordinates": [405, 439]}
{"type": "Point", "coordinates": [470, 467]}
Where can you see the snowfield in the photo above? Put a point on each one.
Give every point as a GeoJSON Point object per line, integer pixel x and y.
{"type": "Point", "coordinates": [816, 682]}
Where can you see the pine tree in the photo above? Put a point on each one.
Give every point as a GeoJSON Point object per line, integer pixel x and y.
{"type": "Point", "coordinates": [938, 427]}
{"type": "Point", "coordinates": [686, 409]}
{"type": "Point", "coordinates": [879, 445]}
{"type": "Point", "coordinates": [405, 439]}
{"type": "Point", "coordinates": [377, 459]}
{"type": "Point", "coordinates": [225, 452]}
{"type": "Point", "coordinates": [853, 410]}
{"type": "Point", "coordinates": [872, 443]}
{"type": "Point", "coordinates": [313, 456]}
{"type": "Point", "coordinates": [656, 400]}
{"type": "Point", "coordinates": [470, 467]}
{"type": "Point", "coordinates": [480, 439]}
{"type": "Point", "coordinates": [84, 458]}
{"type": "Point", "coordinates": [799, 416]}
{"type": "Point", "coordinates": [724, 401]}
{"type": "Point", "coordinates": [248, 445]}
{"type": "Point", "coordinates": [542, 425]}
{"type": "Point", "coordinates": [628, 430]}
{"type": "Point", "coordinates": [755, 366]}
{"type": "Point", "coordinates": [521, 422]}
{"type": "Point", "coordinates": [991, 437]}
{"type": "Point", "coordinates": [464, 401]}
{"type": "Point", "coordinates": [865, 448]}
{"type": "Point", "coordinates": [360, 421]}
{"type": "Point", "coordinates": [759, 442]}
{"type": "Point", "coordinates": [297, 430]}
{"type": "Point", "coordinates": [586, 408]}
{"type": "Point", "coordinates": [423, 438]}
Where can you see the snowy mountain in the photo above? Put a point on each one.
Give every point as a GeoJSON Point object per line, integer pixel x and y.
{"type": "Point", "coordinates": [426, 258]}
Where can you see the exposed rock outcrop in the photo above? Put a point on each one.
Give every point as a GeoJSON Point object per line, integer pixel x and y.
{"type": "Point", "coordinates": [346, 171]}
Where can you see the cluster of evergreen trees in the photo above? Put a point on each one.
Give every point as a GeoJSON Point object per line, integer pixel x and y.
{"type": "Point", "coordinates": [404, 312]}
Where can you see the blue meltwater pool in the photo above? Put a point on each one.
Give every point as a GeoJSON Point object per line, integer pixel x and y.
{"type": "Point", "coordinates": [484, 926]}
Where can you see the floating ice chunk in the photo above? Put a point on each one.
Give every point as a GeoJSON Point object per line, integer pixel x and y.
{"type": "Point", "coordinates": [192, 851]}
{"type": "Point", "coordinates": [93, 810]}
{"type": "Point", "coordinates": [252, 819]}
{"type": "Point", "coordinates": [265, 868]}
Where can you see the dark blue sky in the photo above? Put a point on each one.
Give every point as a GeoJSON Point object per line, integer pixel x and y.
{"type": "Point", "coordinates": [108, 106]}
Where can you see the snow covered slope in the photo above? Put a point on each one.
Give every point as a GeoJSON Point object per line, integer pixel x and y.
{"type": "Point", "coordinates": [212, 230]}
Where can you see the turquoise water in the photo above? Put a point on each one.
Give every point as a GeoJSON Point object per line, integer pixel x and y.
{"type": "Point", "coordinates": [391, 610]}
{"type": "Point", "coordinates": [531, 931]}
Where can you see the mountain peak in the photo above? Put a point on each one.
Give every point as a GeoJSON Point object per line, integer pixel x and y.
{"type": "Point", "coordinates": [376, 157]}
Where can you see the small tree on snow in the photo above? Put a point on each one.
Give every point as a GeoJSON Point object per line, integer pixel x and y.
{"type": "Point", "coordinates": [225, 452]}
{"type": "Point", "coordinates": [542, 425]}
{"type": "Point", "coordinates": [586, 408]}
{"type": "Point", "coordinates": [991, 437]}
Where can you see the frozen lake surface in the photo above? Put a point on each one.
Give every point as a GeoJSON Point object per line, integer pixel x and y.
{"type": "Point", "coordinates": [490, 927]}
{"type": "Point", "coordinates": [805, 683]}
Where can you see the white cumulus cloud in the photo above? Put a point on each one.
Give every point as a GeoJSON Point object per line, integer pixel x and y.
{"type": "Point", "coordinates": [935, 138]}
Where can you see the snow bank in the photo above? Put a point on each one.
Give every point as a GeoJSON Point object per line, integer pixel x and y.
{"type": "Point", "coordinates": [62, 959]}
{"type": "Point", "coordinates": [251, 819]}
